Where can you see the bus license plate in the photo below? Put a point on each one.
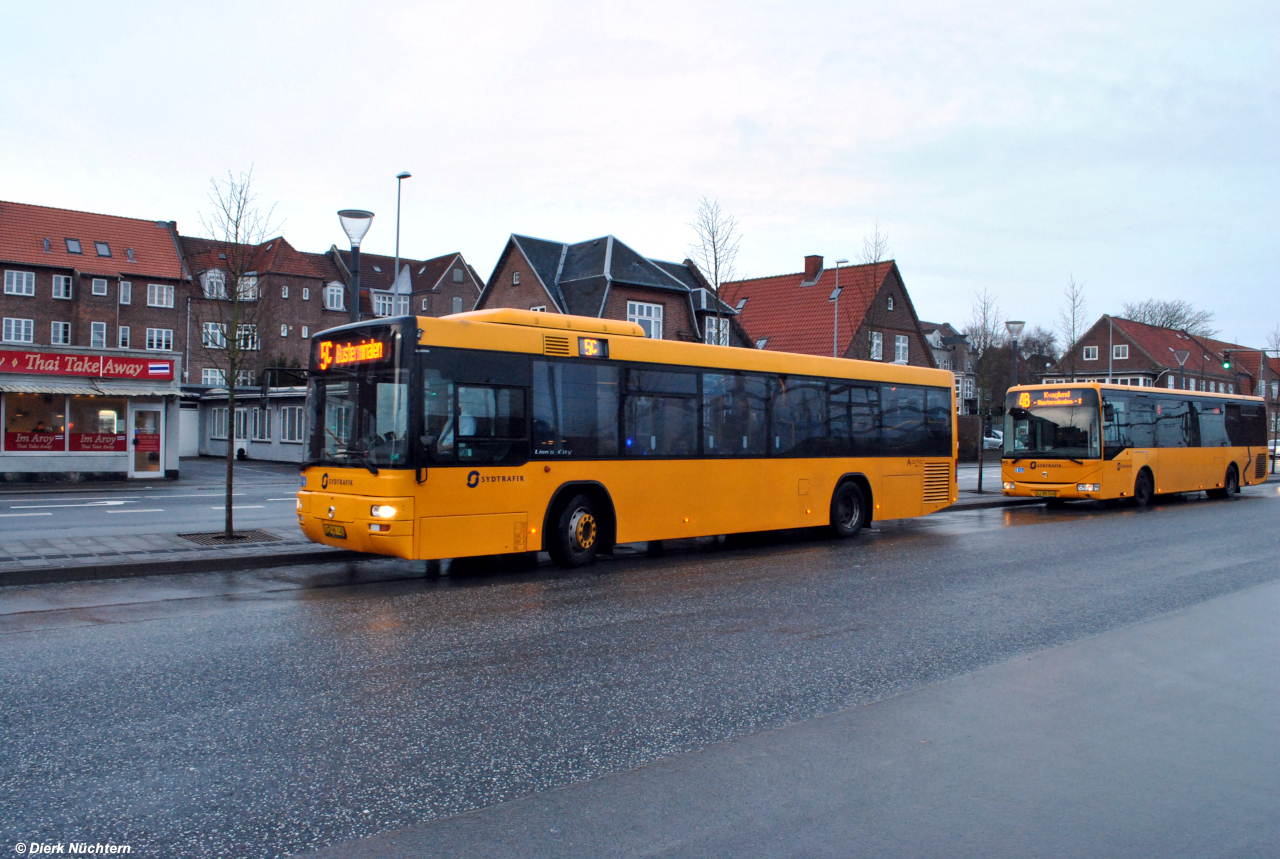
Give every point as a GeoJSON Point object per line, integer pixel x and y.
{"type": "Point", "coordinates": [1046, 493]}
{"type": "Point", "coordinates": [335, 531]}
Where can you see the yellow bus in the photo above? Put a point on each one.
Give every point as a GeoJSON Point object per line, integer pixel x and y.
{"type": "Point", "coordinates": [1090, 440]}
{"type": "Point", "coordinates": [501, 431]}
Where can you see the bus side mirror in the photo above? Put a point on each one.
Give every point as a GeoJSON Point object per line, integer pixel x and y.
{"type": "Point", "coordinates": [1108, 412]}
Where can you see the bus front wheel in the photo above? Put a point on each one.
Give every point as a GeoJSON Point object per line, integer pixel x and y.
{"type": "Point", "coordinates": [847, 510]}
{"type": "Point", "coordinates": [576, 538]}
{"type": "Point", "coordinates": [1143, 489]}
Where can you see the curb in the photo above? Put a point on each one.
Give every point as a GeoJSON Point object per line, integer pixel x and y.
{"type": "Point", "coordinates": [93, 572]}
{"type": "Point", "coordinates": [999, 501]}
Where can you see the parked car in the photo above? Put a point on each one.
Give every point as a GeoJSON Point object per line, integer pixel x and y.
{"type": "Point", "coordinates": [995, 441]}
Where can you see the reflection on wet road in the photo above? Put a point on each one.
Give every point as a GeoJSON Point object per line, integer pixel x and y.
{"type": "Point", "coordinates": [265, 713]}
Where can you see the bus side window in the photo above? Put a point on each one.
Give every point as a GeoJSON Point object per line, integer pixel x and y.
{"type": "Point", "coordinates": [799, 417]}
{"type": "Point", "coordinates": [575, 409]}
{"type": "Point", "coordinates": [437, 413]}
{"type": "Point", "coordinates": [1213, 425]}
{"type": "Point", "coordinates": [855, 419]}
{"type": "Point", "coordinates": [937, 418]}
{"type": "Point", "coordinates": [661, 413]}
{"type": "Point", "coordinates": [904, 433]}
{"type": "Point", "coordinates": [491, 425]}
{"type": "Point", "coordinates": [734, 414]}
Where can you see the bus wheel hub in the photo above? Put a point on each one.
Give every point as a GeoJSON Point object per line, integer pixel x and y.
{"type": "Point", "coordinates": [583, 525]}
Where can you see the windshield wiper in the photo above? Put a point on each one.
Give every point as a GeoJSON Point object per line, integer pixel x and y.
{"type": "Point", "coordinates": [349, 449]}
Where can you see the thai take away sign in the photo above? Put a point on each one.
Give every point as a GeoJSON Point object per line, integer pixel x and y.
{"type": "Point", "coordinates": [96, 366]}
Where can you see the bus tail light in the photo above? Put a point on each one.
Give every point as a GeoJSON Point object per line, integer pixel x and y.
{"type": "Point", "coordinates": [1009, 484]}
{"type": "Point", "coordinates": [1088, 487]}
{"type": "Point", "coordinates": [382, 511]}
{"type": "Point", "coordinates": [379, 526]}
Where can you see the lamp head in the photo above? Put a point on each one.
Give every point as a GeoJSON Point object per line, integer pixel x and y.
{"type": "Point", "coordinates": [403, 174]}
{"type": "Point", "coordinates": [355, 223]}
{"type": "Point", "coordinates": [1015, 328]}
{"type": "Point", "coordinates": [842, 262]}
{"type": "Point", "coordinates": [1182, 355]}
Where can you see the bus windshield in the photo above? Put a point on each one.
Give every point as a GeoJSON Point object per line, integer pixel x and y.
{"type": "Point", "coordinates": [360, 412]}
{"type": "Point", "coordinates": [1052, 424]}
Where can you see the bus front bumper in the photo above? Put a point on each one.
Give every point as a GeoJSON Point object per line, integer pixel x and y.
{"type": "Point", "coordinates": [1019, 489]}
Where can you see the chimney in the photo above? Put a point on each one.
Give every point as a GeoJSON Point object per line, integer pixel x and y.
{"type": "Point", "coordinates": [812, 268]}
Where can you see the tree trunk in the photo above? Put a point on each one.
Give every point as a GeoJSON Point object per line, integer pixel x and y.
{"type": "Point", "coordinates": [231, 458]}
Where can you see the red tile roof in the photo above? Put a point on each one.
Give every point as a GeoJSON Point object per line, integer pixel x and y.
{"type": "Point", "coordinates": [798, 318]}
{"type": "Point", "coordinates": [275, 256]}
{"type": "Point", "coordinates": [23, 229]}
{"type": "Point", "coordinates": [1161, 343]}
{"type": "Point", "coordinates": [423, 274]}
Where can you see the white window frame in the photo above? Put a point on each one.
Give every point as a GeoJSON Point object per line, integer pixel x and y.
{"type": "Point", "coordinates": [515, 278]}
{"type": "Point", "coordinates": [541, 308]}
{"type": "Point", "coordinates": [247, 338]}
{"type": "Point", "coordinates": [901, 349]}
{"type": "Point", "coordinates": [247, 288]}
{"type": "Point", "coordinates": [890, 302]}
{"type": "Point", "coordinates": [159, 339]}
{"type": "Point", "coordinates": [1089, 353]}
{"type": "Point", "coordinates": [213, 377]}
{"type": "Point", "coordinates": [284, 290]}
{"type": "Point", "coordinates": [122, 336]}
{"type": "Point", "coordinates": [60, 333]}
{"type": "Point", "coordinates": [877, 346]}
{"type": "Point", "coordinates": [716, 331]}
{"type": "Point", "coordinates": [402, 305]}
{"type": "Point", "coordinates": [284, 329]}
{"type": "Point", "coordinates": [458, 276]}
{"type": "Point", "coordinates": [17, 330]}
{"type": "Point", "coordinates": [424, 304]}
{"type": "Point", "coordinates": [335, 297]}
{"type": "Point", "coordinates": [126, 292]}
{"type": "Point", "coordinates": [967, 387]}
{"type": "Point", "coordinates": [19, 282]}
{"type": "Point", "coordinates": [242, 424]}
{"type": "Point", "coordinates": [260, 424]}
{"type": "Point", "coordinates": [306, 293]}
{"type": "Point", "coordinates": [214, 284]}
{"type": "Point", "coordinates": [100, 286]}
{"type": "Point", "coordinates": [62, 286]}
{"type": "Point", "coordinates": [457, 304]}
{"type": "Point", "coordinates": [97, 335]}
{"type": "Point", "coordinates": [218, 419]}
{"type": "Point", "coordinates": [306, 331]}
{"type": "Point", "coordinates": [1171, 382]}
{"type": "Point", "coordinates": [245, 378]}
{"type": "Point", "coordinates": [647, 316]}
{"type": "Point", "coordinates": [292, 425]}
{"type": "Point", "coordinates": [1120, 352]}
{"type": "Point", "coordinates": [159, 295]}
{"type": "Point", "coordinates": [383, 304]}
{"type": "Point", "coordinates": [213, 335]}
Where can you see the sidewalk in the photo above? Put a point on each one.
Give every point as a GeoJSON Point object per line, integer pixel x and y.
{"type": "Point", "coordinates": [194, 472]}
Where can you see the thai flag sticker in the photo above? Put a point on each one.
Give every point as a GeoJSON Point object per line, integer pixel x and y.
{"type": "Point", "coordinates": [158, 368]}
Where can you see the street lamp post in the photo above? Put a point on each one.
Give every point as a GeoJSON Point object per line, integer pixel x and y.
{"type": "Point", "coordinates": [835, 297]}
{"type": "Point", "coordinates": [400, 177]}
{"type": "Point", "coordinates": [355, 223]}
{"type": "Point", "coordinates": [1015, 331]}
{"type": "Point", "coordinates": [1182, 355]}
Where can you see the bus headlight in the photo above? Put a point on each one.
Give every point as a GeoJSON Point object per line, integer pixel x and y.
{"type": "Point", "coordinates": [1009, 484]}
{"type": "Point", "coordinates": [382, 511]}
{"type": "Point", "coordinates": [1088, 487]}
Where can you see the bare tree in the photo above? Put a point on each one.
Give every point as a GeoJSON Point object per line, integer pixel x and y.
{"type": "Point", "coordinates": [1039, 341]}
{"type": "Point", "coordinates": [715, 252]}
{"type": "Point", "coordinates": [875, 253]}
{"type": "Point", "coordinates": [985, 332]}
{"type": "Point", "coordinates": [233, 312]}
{"type": "Point", "coordinates": [1072, 322]}
{"type": "Point", "coordinates": [1176, 314]}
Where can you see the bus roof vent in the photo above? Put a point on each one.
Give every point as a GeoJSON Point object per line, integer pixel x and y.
{"type": "Point", "coordinates": [553, 345]}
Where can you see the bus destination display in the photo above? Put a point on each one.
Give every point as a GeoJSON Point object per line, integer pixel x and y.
{"type": "Point", "coordinates": [367, 351]}
{"type": "Point", "coordinates": [1041, 399]}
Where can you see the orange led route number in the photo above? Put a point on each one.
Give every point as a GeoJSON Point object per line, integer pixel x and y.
{"type": "Point", "coordinates": [340, 354]}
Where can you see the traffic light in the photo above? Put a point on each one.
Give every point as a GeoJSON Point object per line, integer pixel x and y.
{"type": "Point", "coordinates": [1226, 360]}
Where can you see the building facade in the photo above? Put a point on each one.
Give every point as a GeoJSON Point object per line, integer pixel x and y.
{"type": "Point", "coordinates": [951, 351]}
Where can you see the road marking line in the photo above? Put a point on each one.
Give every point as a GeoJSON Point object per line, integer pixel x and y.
{"type": "Point", "coordinates": [200, 495]}
{"type": "Point", "coordinates": [90, 504]}
{"type": "Point", "coordinates": [291, 498]}
{"type": "Point", "coordinates": [239, 507]}
{"type": "Point", "coordinates": [152, 510]}
{"type": "Point", "coordinates": [8, 515]}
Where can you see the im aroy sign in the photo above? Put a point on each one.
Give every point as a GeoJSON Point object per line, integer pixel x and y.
{"type": "Point", "coordinates": [97, 366]}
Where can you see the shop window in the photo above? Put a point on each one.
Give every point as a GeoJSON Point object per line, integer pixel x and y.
{"type": "Point", "coordinates": [98, 424]}
{"type": "Point", "coordinates": [35, 422]}
{"type": "Point", "coordinates": [60, 334]}
{"type": "Point", "coordinates": [126, 292]}
{"type": "Point", "coordinates": [218, 423]}
{"type": "Point", "coordinates": [62, 286]}
{"type": "Point", "coordinates": [19, 330]}
{"type": "Point", "coordinates": [291, 424]}
{"type": "Point", "coordinates": [97, 335]}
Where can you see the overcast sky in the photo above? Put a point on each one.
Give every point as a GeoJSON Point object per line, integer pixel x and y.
{"type": "Point", "coordinates": [1000, 145]}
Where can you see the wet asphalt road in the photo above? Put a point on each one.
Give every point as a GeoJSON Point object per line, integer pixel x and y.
{"type": "Point", "coordinates": [245, 716]}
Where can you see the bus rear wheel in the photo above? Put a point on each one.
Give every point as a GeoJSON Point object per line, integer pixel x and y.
{"type": "Point", "coordinates": [847, 510]}
{"type": "Point", "coordinates": [1143, 489]}
{"type": "Point", "coordinates": [576, 538]}
{"type": "Point", "coordinates": [1230, 484]}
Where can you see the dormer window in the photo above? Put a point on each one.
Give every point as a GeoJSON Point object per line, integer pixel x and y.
{"type": "Point", "coordinates": [73, 246]}
{"type": "Point", "coordinates": [103, 249]}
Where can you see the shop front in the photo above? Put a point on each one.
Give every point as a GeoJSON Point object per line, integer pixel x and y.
{"type": "Point", "coordinates": [80, 415]}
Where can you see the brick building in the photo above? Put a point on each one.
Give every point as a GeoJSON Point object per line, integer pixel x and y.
{"type": "Point", "coordinates": [951, 351]}
{"type": "Point", "coordinates": [606, 279]}
{"type": "Point", "coordinates": [794, 313]}
{"type": "Point", "coordinates": [433, 287]}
